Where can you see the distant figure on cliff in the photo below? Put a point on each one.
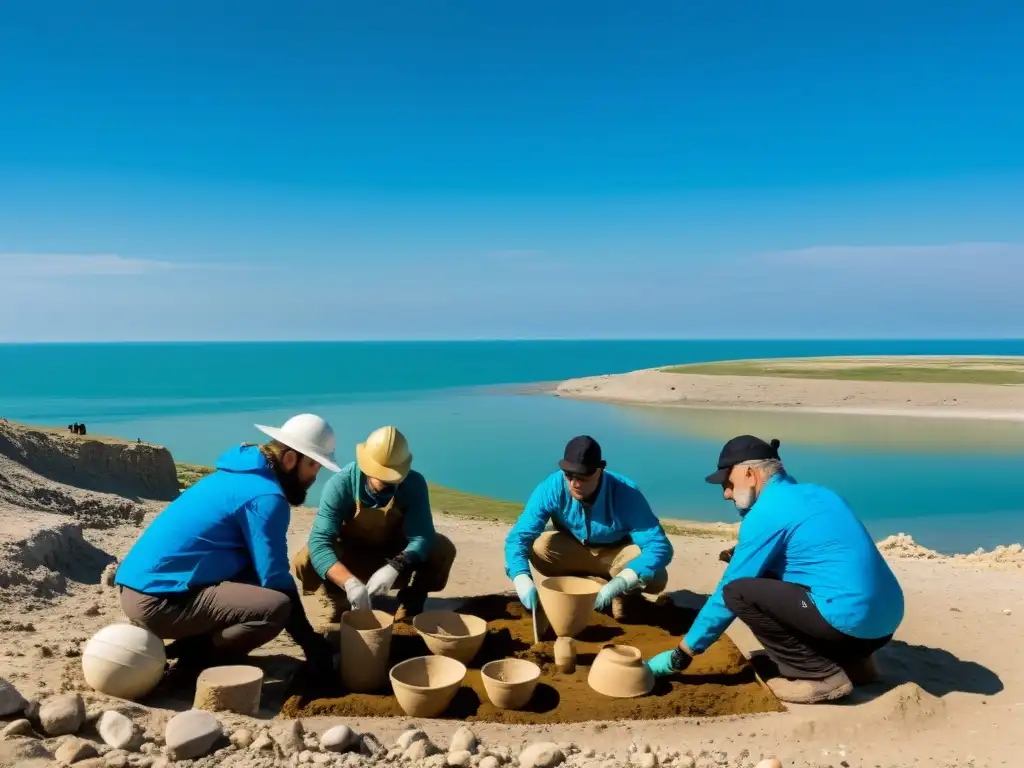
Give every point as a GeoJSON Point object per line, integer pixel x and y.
{"type": "Point", "coordinates": [81, 429]}
{"type": "Point", "coordinates": [806, 578]}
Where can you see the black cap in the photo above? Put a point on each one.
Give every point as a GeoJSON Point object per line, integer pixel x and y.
{"type": "Point", "coordinates": [740, 449]}
{"type": "Point", "coordinates": [582, 456]}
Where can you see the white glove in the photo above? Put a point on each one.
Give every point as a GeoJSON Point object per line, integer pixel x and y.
{"type": "Point", "coordinates": [382, 581]}
{"type": "Point", "coordinates": [357, 595]}
{"type": "Point", "coordinates": [526, 591]}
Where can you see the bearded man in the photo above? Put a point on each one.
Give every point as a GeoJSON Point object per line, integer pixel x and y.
{"type": "Point", "coordinates": [805, 577]}
{"type": "Point", "coordinates": [211, 571]}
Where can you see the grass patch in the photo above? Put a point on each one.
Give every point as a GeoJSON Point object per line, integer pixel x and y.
{"type": "Point", "coordinates": [190, 474]}
{"type": "Point", "coordinates": [998, 372]}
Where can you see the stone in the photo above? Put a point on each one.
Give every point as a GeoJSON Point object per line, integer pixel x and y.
{"type": "Point", "coordinates": [311, 741]}
{"type": "Point", "coordinates": [340, 738]}
{"type": "Point", "coordinates": [161, 762]}
{"type": "Point", "coordinates": [116, 760]}
{"type": "Point", "coordinates": [370, 746]}
{"type": "Point", "coordinates": [419, 750]}
{"type": "Point", "coordinates": [463, 740]}
{"type": "Point", "coordinates": [21, 748]}
{"type": "Point", "coordinates": [541, 755]}
{"type": "Point", "coordinates": [91, 762]}
{"type": "Point", "coordinates": [191, 734]}
{"type": "Point", "coordinates": [73, 749]}
{"type": "Point", "coordinates": [490, 762]}
{"type": "Point", "coordinates": [305, 756]}
{"type": "Point", "coordinates": [18, 728]}
{"type": "Point", "coordinates": [288, 737]}
{"type": "Point", "coordinates": [148, 749]}
{"type": "Point", "coordinates": [62, 715]}
{"type": "Point", "coordinates": [686, 762]}
{"type": "Point", "coordinates": [645, 760]}
{"type": "Point", "coordinates": [11, 700]}
{"type": "Point", "coordinates": [262, 743]}
{"type": "Point", "coordinates": [407, 738]}
{"type": "Point", "coordinates": [117, 730]}
{"type": "Point", "coordinates": [242, 738]}
{"type": "Point", "coordinates": [460, 759]}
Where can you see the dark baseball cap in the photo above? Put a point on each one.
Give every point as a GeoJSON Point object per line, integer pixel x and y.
{"type": "Point", "coordinates": [740, 449]}
{"type": "Point", "coordinates": [582, 456]}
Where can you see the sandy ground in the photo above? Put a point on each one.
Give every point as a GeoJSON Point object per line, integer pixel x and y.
{"type": "Point", "coordinates": [655, 387]}
{"type": "Point", "coordinates": [953, 691]}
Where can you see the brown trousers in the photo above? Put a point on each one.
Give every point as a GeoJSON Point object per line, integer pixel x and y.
{"type": "Point", "coordinates": [239, 617]}
{"type": "Point", "coordinates": [363, 560]}
{"type": "Point", "coordinates": [559, 554]}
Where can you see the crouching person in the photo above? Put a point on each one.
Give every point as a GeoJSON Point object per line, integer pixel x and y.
{"type": "Point", "coordinates": [805, 577]}
{"type": "Point", "coordinates": [374, 532]}
{"type": "Point", "coordinates": [604, 529]}
{"type": "Point", "coordinates": [211, 571]}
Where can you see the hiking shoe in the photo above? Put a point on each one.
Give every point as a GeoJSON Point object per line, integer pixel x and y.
{"type": "Point", "coordinates": [863, 671]}
{"type": "Point", "coordinates": [811, 691]}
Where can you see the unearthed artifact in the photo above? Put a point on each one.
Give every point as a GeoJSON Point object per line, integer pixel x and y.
{"type": "Point", "coordinates": [568, 603]}
{"type": "Point", "coordinates": [365, 645]}
{"type": "Point", "coordinates": [233, 688]}
{"type": "Point", "coordinates": [619, 671]}
{"type": "Point", "coordinates": [426, 685]}
{"type": "Point", "coordinates": [565, 655]}
{"type": "Point", "coordinates": [455, 635]}
{"type": "Point", "coordinates": [510, 683]}
{"type": "Point", "coordinates": [123, 660]}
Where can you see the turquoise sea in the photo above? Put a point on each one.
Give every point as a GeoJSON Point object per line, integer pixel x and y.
{"type": "Point", "coordinates": [954, 484]}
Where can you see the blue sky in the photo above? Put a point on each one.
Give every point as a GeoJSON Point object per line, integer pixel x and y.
{"type": "Point", "coordinates": [455, 169]}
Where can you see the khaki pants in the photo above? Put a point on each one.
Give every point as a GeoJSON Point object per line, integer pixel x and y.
{"type": "Point", "coordinates": [238, 617]}
{"type": "Point", "coordinates": [559, 554]}
{"type": "Point", "coordinates": [362, 560]}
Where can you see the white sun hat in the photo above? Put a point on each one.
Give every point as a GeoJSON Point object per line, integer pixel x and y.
{"type": "Point", "coordinates": [308, 434]}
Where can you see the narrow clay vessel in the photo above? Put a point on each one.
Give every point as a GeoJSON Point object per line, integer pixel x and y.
{"type": "Point", "coordinates": [365, 645]}
{"type": "Point", "coordinates": [426, 685]}
{"type": "Point", "coordinates": [455, 635]}
{"type": "Point", "coordinates": [234, 688]}
{"type": "Point", "coordinates": [565, 655]}
{"type": "Point", "coordinates": [619, 671]}
{"type": "Point", "coordinates": [568, 603]}
{"type": "Point", "coordinates": [510, 683]}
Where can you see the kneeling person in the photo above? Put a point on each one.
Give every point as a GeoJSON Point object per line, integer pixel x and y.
{"type": "Point", "coordinates": [374, 532]}
{"type": "Point", "coordinates": [604, 529]}
{"type": "Point", "coordinates": [805, 577]}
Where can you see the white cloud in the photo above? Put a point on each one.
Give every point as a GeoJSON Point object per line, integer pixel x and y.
{"type": "Point", "coordinates": [59, 265]}
{"type": "Point", "coordinates": [870, 255]}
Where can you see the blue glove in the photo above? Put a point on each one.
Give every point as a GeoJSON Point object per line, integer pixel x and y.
{"type": "Point", "coordinates": [624, 582]}
{"type": "Point", "coordinates": [526, 590]}
{"type": "Point", "coordinates": [661, 665]}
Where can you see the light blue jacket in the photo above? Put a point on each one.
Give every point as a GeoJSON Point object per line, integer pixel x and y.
{"type": "Point", "coordinates": [232, 524]}
{"type": "Point", "coordinates": [619, 512]}
{"type": "Point", "coordinates": [806, 534]}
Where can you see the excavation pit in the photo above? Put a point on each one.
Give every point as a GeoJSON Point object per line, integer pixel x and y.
{"type": "Point", "coordinates": [720, 682]}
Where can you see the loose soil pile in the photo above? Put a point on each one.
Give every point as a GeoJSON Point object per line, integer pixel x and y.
{"type": "Point", "coordinates": [719, 682]}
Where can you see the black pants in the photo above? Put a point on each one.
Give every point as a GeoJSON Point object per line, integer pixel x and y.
{"type": "Point", "coordinates": [785, 621]}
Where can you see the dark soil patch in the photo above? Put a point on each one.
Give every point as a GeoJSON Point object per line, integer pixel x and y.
{"type": "Point", "coordinates": [719, 682]}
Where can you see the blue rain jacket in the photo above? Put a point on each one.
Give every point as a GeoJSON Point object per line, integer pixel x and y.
{"type": "Point", "coordinates": [232, 522]}
{"type": "Point", "coordinates": [806, 534]}
{"type": "Point", "coordinates": [619, 512]}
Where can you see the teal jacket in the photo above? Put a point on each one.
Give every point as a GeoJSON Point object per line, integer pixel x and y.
{"type": "Point", "coordinates": [338, 504]}
{"type": "Point", "coordinates": [619, 512]}
{"type": "Point", "coordinates": [806, 534]}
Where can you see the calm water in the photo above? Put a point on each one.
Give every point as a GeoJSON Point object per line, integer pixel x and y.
{"type": "Point", "coordinates": [953, 484]}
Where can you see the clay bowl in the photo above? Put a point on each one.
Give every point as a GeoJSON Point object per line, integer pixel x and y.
{"type": "Point", "coordinates": [568, 603]}
{"type": "Point", "coordinates": [510, 683]}
{"type": "Point", "coordinates": [455, 635]}
{"type": "Point", "coordinates": [426, 685]}
{"type": "Point", "coordinates": [619, 671]}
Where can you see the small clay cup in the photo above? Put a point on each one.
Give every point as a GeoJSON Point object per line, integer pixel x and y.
{"type": "Point", "coordinates": [426, 685]}
{"type": "Point", "coordinates": [510, 683]}
{"type": "Point", "coordinates": [365, 647]}
{"type": "Point", "coordinates": [455, 635]}
{"type": "Point", "coordinates": [619, 671]}
{"type": "Point", "coordinates": [568, 603]}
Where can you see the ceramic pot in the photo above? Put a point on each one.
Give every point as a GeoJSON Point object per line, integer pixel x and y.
{"type": "Point", "coordinates": [510, 683]}
{"type": "Point", "coordinates": [455, 635]}
{"type": "Point", "coordinates": [234, 688]}
{"type": "Point", "coordinates": [426, 685]}
{"type": "Point", "coordinates": [568, 603]}
{"type": "Point", "coordinates": [619, 671]}
{"type": "Point", "coordinates": [365, 645]}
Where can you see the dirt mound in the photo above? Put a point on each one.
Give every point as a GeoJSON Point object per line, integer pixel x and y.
{"type": "Point", "coordinates": [720, 682]}
{"type": "Point", "coordinates": [104, 465]}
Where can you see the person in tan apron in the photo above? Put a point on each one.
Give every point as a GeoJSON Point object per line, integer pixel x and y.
{"type": "Point", "coordinates": [374, 532]}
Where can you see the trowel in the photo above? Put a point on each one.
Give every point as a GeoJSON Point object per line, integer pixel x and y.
{"type": "Point", "coordinates": [541, 625]}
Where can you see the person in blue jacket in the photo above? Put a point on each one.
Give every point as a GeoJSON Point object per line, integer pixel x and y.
{"type": "Point", "coordinates": [603, 529]}
{"type": "Point", "coordinates": [805, 577]}
{"type": "Point", "coordinates": [211, 571]}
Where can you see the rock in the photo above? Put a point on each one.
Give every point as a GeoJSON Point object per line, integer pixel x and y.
{"type": "Point", "coordinates": [321, 759]}
{"type": "Point", "coordinates": [20, 748]}
{"type": "Point", "coordinates": [490, 762]}
{"type": "Point", "coordinates": [160, 762]}
{"type": "Point", "coordinates": [311, 741]}
{"type": "Point", "coordinates": [288, 737]}
{"type": "Point", "coordinates": [463, 740]}
{"type": "Point", "coordinates": [109, 574]}
{"type": "Point", "coordinates": [62, 715]}
{"type": "Point", "coordinates": [262, 743]}
{"type": "Point", "coordinates": [645, 760]}
{"type": "Point", "coordinates": [242, 738]}
{"type": "Point", "coordinates": [305, 756]}
{"type": "Point", "coordinates": [542, 755]}
{"type": "Point", "coordinates": [419, 750]}
{"type": "Point", "coordinates": [18, 728]}
{"type": "Point", "coordinates": [370, 746]}
{"type": "Point", "coordinates": [340, 738]}
{"type": "Point", "coordinates": [460, 759]}
{"type": "Point", "coordinates": [91, 762]}
{"type": "Point", "coordinates": [74, 749]}
{"type": "Point", "coordinates": [686, 762]}
{"type": "Point", "coordinates": [148, 749]}
{"type": "Point", "coordinates": [407, 738]}
{"type": "Point", "coordinates": [772, 762]}
{"type": "Point", "coordinates": [191, 734]}
{"type": "Point", "coordinates": [11, 700]}
{"type": "Point", "coordinates": [117, 730]}
{"type": "Point", "coordinates": [116, 760]}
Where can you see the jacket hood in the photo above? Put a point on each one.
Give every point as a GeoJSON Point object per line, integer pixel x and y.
{"type": "Point", "coordinates": [245, 458]}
